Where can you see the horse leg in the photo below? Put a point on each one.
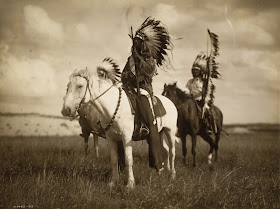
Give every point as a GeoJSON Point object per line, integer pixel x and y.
{"type": "Point", "coordinates": [165, 152]}
{"type": "Point", "coordinates": [85, 135]}
{"type": "Point", "coordinates": [217, 139]}
{"type": "Point", "coordinates": [170, 151]}
{"type": "Point", "coordinates": [207, 138]}
{"type": "Point", "coordinates": [184, 148]}
{"type": "Point", "coordinates": [96, 146]}
{"type": "Point", "coordinates": [129, 164]}
{"type": "Point", "coordinates": [114, 162]}
{"type": "Point", "coordinates": [193, 148]}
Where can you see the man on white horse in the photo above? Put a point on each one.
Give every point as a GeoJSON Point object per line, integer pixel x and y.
{"type": "Point", "coordinates": [148, 50]}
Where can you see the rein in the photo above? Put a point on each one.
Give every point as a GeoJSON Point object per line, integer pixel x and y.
{"type": "Point", "coordinates": [115, 113]}
{"type": "Point", "coordinates": [92, 101]}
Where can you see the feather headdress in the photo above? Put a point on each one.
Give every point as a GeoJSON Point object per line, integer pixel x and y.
{"type": "Point", "coordinates": [201, 62]}
{"type": "Point", "coordinates": [109, 70]}
{"type": "Point", "coordinates": [157, 39]}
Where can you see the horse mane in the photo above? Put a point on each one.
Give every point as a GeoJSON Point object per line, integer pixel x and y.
{"type": "Point", "coordinates": [85, 73]}
{"type": "Point", "coordinates": [180, 93]}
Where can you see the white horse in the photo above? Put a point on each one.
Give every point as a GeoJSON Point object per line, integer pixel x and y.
{"type": "Point", "coordinates": [116, 118]}
{"type": "Point", "coordinates": [88, 120]}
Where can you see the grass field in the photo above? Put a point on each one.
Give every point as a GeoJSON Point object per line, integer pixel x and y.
{"type": "Point", "coordinates": [53, 172]}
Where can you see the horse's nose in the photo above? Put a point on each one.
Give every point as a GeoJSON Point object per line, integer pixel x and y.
{"type": "Point", "coordinates": [65, 111]}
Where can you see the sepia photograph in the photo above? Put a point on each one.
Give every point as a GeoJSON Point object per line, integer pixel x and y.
{"type": "Point", "coordinates": [165, 104]}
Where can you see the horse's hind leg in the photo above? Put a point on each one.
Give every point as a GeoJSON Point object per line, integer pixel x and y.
{"type": "Point", "coordinates": [129, 164]}
{"type": "Point", "coordinates": [165, 150]}
{"type": "Point", "coordinates": [207, 138]}
{"type": "Point", "coordinates": [96, 146]}
{"type": "Point", "coordinates": [217, 139]}
{"type": "Point", "coordinates": [170, 147]}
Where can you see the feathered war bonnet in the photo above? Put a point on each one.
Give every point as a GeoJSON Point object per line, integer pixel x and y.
{"type": "Point", "coordinates": [156, 38]}
{"type": "Point", "coordinates": [108, 69]}
{"type": "Point", "coordinates": [201, 62]}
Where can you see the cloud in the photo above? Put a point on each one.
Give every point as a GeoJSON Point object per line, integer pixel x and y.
{"type": "Point", "coordinates": [172, 17]}
{"type": "Point", "coordinates": [25, 76]}
{"type": "Point", "coordinates": [38, 22]}
{"type": "Point", "coordinates": [83, 31]}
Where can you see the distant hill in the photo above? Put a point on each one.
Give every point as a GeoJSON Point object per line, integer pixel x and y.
{"type": "Point", "coordinates": [254, 127]}
{"type": "Point", "coordinates": [35, 124]}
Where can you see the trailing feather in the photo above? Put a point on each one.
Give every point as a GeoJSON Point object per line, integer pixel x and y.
{"type": "Point", "coordinates": [109, 70]}
{"type": "Point", "coordinates": [212, 69]}
{"type": "Point", "coordinates": [213, 66]}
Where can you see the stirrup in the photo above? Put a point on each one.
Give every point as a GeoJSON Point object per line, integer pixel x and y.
{"type": "Point", "coordinates": [144, 131]}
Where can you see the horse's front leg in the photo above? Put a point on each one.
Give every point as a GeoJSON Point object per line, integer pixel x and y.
{"type": "Point", "coordinates": [96, 146]}
{"type": "Point", "coordinates": [184, 148]}
{"type": "Point", "coordinates": [129, 164]}
{"type": "Point", "coordinates": [193, 148]}
{"type": "Point", "coordinates": [114, 162]}
{"type": "Point", "coordinates": [85, 135]}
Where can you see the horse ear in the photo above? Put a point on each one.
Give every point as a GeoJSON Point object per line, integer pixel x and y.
{"type": "Point", "coordinates": [165, 85]}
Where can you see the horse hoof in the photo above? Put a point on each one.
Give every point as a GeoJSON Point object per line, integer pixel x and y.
{"type": "Point", "coordinates": [130, 186]}
{"type": "Point", "coordinates": [173, 176]}
{"type": "Point", "coordinates": [194, 165]}
{"type": "Point", "coordinates": [112, 184]}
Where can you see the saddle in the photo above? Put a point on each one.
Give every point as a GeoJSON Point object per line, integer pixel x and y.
{"type": "Point", "coordinates": [208, 120]}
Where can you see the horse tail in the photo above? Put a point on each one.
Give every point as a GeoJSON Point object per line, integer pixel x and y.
{"type": "Point", "coordinates": [177, 140]}
{"type": "Point", "coordinates": [121, 156]}
{"type": "Point", "coordinates": [225, 132]}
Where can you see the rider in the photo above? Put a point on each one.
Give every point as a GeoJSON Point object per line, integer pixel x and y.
{"type": "Point", "coordinates": [137, 79]}
{"type": "Point", "coordinates": [195, 88]}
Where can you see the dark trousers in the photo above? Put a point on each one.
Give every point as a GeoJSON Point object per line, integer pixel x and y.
{"type": "Point", "coordinates": [153, 139]}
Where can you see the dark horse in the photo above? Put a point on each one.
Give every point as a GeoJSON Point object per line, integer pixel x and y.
{"type": "Point", "coordinates": [189, 123]}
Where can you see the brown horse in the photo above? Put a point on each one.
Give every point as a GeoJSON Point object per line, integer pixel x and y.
{"type": "Point", "coordinates": [188, 122]}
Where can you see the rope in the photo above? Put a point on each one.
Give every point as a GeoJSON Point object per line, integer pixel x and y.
{"type": "Point", "coordinates": [115, 113]}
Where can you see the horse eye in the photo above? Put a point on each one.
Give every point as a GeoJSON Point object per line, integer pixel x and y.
{"type": "Point", "coordinates": [79, 86]}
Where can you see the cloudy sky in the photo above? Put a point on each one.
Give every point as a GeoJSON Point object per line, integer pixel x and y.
{"type": "Point", "coordinates": [43, 41]}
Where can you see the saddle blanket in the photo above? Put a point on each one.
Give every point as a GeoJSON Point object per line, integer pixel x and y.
{"type": "Point", "coordinates": [155, 103]}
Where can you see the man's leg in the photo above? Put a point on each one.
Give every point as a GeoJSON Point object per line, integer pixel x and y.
{"type": "Point", "coordinates": [155, 144]}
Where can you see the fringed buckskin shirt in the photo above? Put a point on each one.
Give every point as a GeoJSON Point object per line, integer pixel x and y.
{"type": "Point", "coordinates": [147, 70]}
{"type": "Point", "coordinates": [195, 87]}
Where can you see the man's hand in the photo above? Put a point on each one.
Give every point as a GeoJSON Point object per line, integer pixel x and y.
{"type": "Point", "coordinates": [204, 109]}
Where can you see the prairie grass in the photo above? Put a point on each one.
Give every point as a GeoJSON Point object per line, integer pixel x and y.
{"type": "Point", "coordinates": [53, 172]}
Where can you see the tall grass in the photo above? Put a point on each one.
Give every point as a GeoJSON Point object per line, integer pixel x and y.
{"type": "Point", "coordinates": [53, 172]}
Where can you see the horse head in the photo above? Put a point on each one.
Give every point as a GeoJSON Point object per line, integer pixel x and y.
{"type": "Point", "coordinates": [75, 93]}
{"type": "Point", "coordinates": [175, 94]}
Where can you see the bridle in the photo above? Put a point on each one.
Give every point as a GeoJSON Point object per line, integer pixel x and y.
{"type": "Point", "coordinates": [82, 104]}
